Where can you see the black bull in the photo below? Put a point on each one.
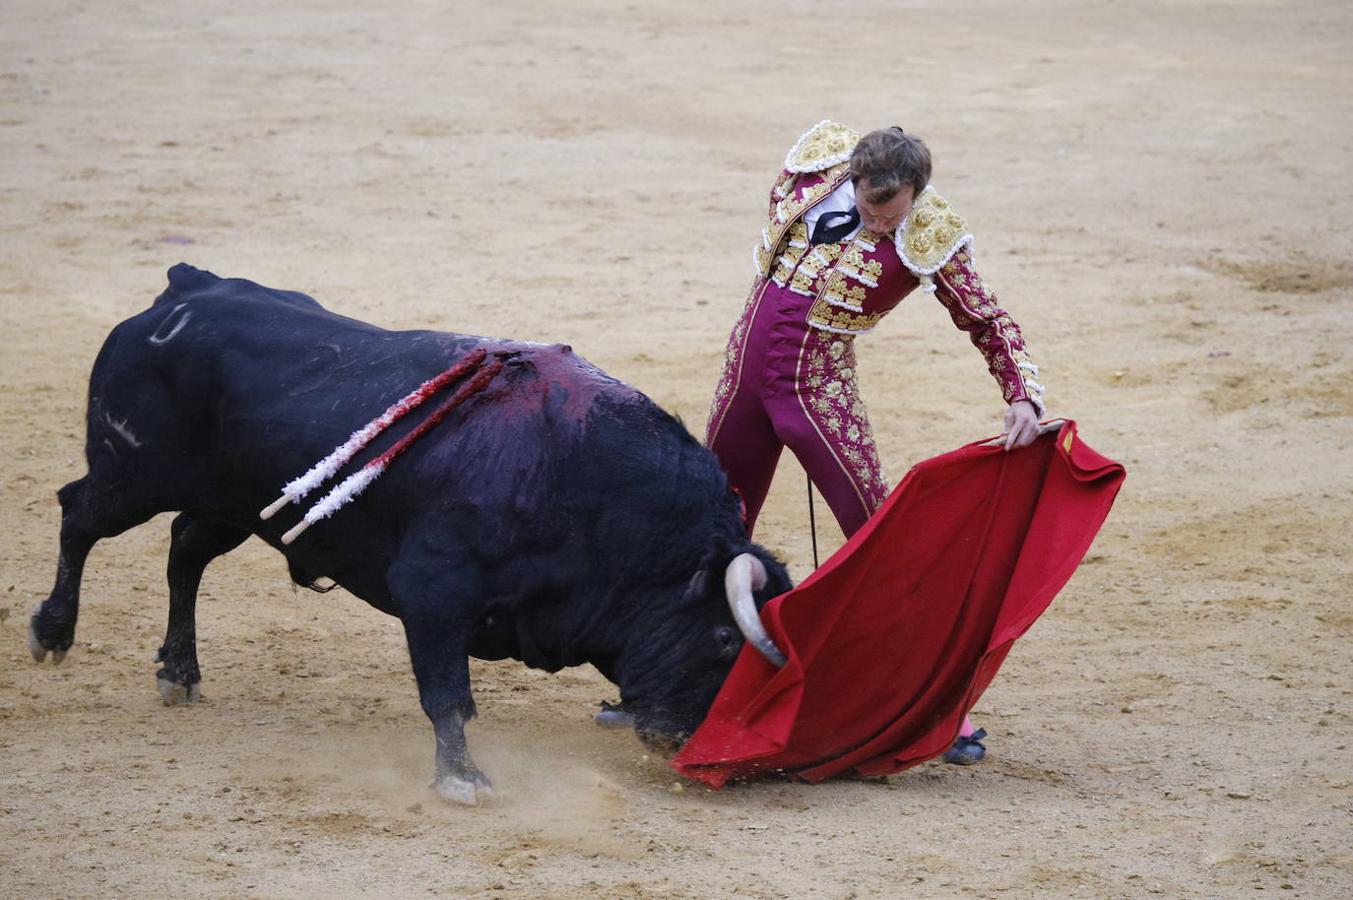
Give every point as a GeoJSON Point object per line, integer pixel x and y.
{"type": "Point", "coordinates": [557, 516]}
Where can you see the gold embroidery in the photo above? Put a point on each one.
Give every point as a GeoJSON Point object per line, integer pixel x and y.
{"type": "Point", "coordinates": [806, 276]}
{"type": "Point", "coordinates": [826, 317]}
{"type": "Point", "coordinates": [854, 264]}
{"type": "Point", "coordinates": [761, 256]}
{"type": "Point", "coordinates": [795, 248]}
{"type": "Point", "coordinates": [932, 234]}
{"type": "Point", "coordinates": [832, 400]}
{"type": "Point", "coordinates": [787, 211]}
{"type": "Point", "coordinates": [802, 282]}
{"type": "Point", "coordinates": [732, 355]}
{"type": "Point", "coordinates": [825, 144]}
{"type": "Point", "coordinates": [838, 293]}
{"type": "Point", "coordinates": [825, 254]}
{"type": "Point", "coordinates": [790, 207]}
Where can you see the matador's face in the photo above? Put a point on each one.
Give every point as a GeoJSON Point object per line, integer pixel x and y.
{"type": "Point", "coordinates": [883, 218]}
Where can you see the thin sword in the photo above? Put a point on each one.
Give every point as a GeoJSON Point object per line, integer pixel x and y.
{"type": "Point", "coordinates": [812, 519]}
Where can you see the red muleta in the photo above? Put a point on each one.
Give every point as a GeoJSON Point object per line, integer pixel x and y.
{"type": "Point", "coordinates": [893, 640]}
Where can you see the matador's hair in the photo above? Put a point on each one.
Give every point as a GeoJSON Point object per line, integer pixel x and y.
{"type": "Point", "coordinates": [888, 159]}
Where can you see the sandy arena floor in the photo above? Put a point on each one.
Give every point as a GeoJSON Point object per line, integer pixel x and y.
{"type": "Point", "coordinates": [1160, 193]}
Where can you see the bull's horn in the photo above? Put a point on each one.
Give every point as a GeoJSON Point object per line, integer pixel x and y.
{"type": "Point", "coordinates": [744, 575]}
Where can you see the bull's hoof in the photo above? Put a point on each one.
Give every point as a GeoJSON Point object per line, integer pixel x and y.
{"type": "Point", "coordinates": [40, 650]}
{"type": "Point", "coordinates": [35, 646]}
{"type": "Point", "coordinates": [465, 791]}
{"type": "Point", "coordinates": [173, 693]}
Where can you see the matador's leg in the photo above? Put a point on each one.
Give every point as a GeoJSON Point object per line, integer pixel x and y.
{"type": "Point", "coordinates": [824, 422]}
{"type": "Point", "coordinates": [748, 450]}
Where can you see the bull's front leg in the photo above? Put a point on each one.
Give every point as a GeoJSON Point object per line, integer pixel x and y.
{"type": "Point", "coordinates": [435, 596]}
{"type": "Point", "coordinates": [441, 664]}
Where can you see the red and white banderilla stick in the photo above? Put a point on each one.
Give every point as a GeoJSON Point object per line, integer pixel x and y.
{"type": "Point", "coordinates": [357, 482]}
{"type": "Point", "coordinates": [323, 470]}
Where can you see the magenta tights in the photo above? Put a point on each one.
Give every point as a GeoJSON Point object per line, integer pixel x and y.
{"type": "Point", "coordinates": [788, 385]}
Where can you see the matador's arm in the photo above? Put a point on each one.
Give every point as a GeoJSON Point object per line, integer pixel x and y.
{"type": "Point", "coordinates": [974, 309]}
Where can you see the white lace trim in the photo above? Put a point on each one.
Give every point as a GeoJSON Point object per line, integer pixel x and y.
{"type": "Point", "coordinates": [820, 164]}
{"type": "Point", "coordinates": [819, 258]}
{"type": "Point", "coordinates": [834, 330]}
{"type": "Point", "coordinates": [859, 276]}
{"type": "Point", "coordinates": [844, 305]}
{"type": "Point", "coordinates": [1035, 390]}
{"type": "Point", "coordinates": [1037, 400]}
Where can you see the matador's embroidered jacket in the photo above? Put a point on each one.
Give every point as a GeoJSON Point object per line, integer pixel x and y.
{"type": "Point", "coordinates": [855, 283]}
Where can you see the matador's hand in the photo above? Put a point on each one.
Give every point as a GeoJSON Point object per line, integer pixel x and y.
{"type": "Point", "coordinates": [1021, 424]}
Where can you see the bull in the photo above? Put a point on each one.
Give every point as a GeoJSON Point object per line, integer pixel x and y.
{"type": "Point", "coordinates": [558, 516]}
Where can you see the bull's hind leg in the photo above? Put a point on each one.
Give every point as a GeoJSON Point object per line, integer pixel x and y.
{"type": "Point", "coordinates": [437, 625]}
{"type": "Point", "coordinates": [90, 511]}
{"type": "Point", "coordinates": [193, 544]}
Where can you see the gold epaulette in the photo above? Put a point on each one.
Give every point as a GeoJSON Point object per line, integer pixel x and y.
{"type": "Point", "coordinates": [824, 145]}
{"type": "Point", "coordinates": [933, 233]}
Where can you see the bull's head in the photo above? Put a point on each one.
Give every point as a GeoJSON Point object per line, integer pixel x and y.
{"type": "Point", "coordinates": [692, 652]}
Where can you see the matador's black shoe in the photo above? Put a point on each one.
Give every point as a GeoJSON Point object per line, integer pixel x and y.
{"type": "Point", "coordinates": [967, 750]}
{"type": "Point", "coordinates": [614, 715]}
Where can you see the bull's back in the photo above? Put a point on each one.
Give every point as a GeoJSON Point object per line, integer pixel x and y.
{"type": "Point", "coordinates": [233, 389]}
{"type": "Point", "coordinates": [227, 380]}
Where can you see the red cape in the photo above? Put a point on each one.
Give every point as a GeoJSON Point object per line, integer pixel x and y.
{"type": "Point", "coordinates": [893, 639]}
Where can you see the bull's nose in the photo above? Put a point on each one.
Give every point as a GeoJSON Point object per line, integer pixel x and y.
{"type": "Point", "coordinates": [660, 742]}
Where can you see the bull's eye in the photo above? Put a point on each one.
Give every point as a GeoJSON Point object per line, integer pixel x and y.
{"type": "Point", "coordinates": [728, 641]}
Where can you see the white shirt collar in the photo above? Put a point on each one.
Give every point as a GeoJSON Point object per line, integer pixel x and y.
{"type": "Point", "coordinates": [840, 200]}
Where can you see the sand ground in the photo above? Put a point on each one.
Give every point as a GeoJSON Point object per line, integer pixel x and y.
{"type": "Point", "coordinates": [1161, 195]}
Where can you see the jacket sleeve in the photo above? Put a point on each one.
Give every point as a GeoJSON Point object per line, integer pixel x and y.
{"type": "Point", "coordinates": [974, 309]}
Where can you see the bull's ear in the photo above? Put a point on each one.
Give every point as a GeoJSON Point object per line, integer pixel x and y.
{"type": "Point", "coordinates": [718, 554]}
{"type": "Point", "coordinates": [699, 583]}
{"type": "Point", "coordinates": [710, 571]}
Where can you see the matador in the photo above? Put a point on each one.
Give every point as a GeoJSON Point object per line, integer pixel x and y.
{"type": "Point", "coordinates": [854, 226]}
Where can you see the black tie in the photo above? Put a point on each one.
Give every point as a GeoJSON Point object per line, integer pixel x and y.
{"type": "Point", "coordinates": [834, 226]}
